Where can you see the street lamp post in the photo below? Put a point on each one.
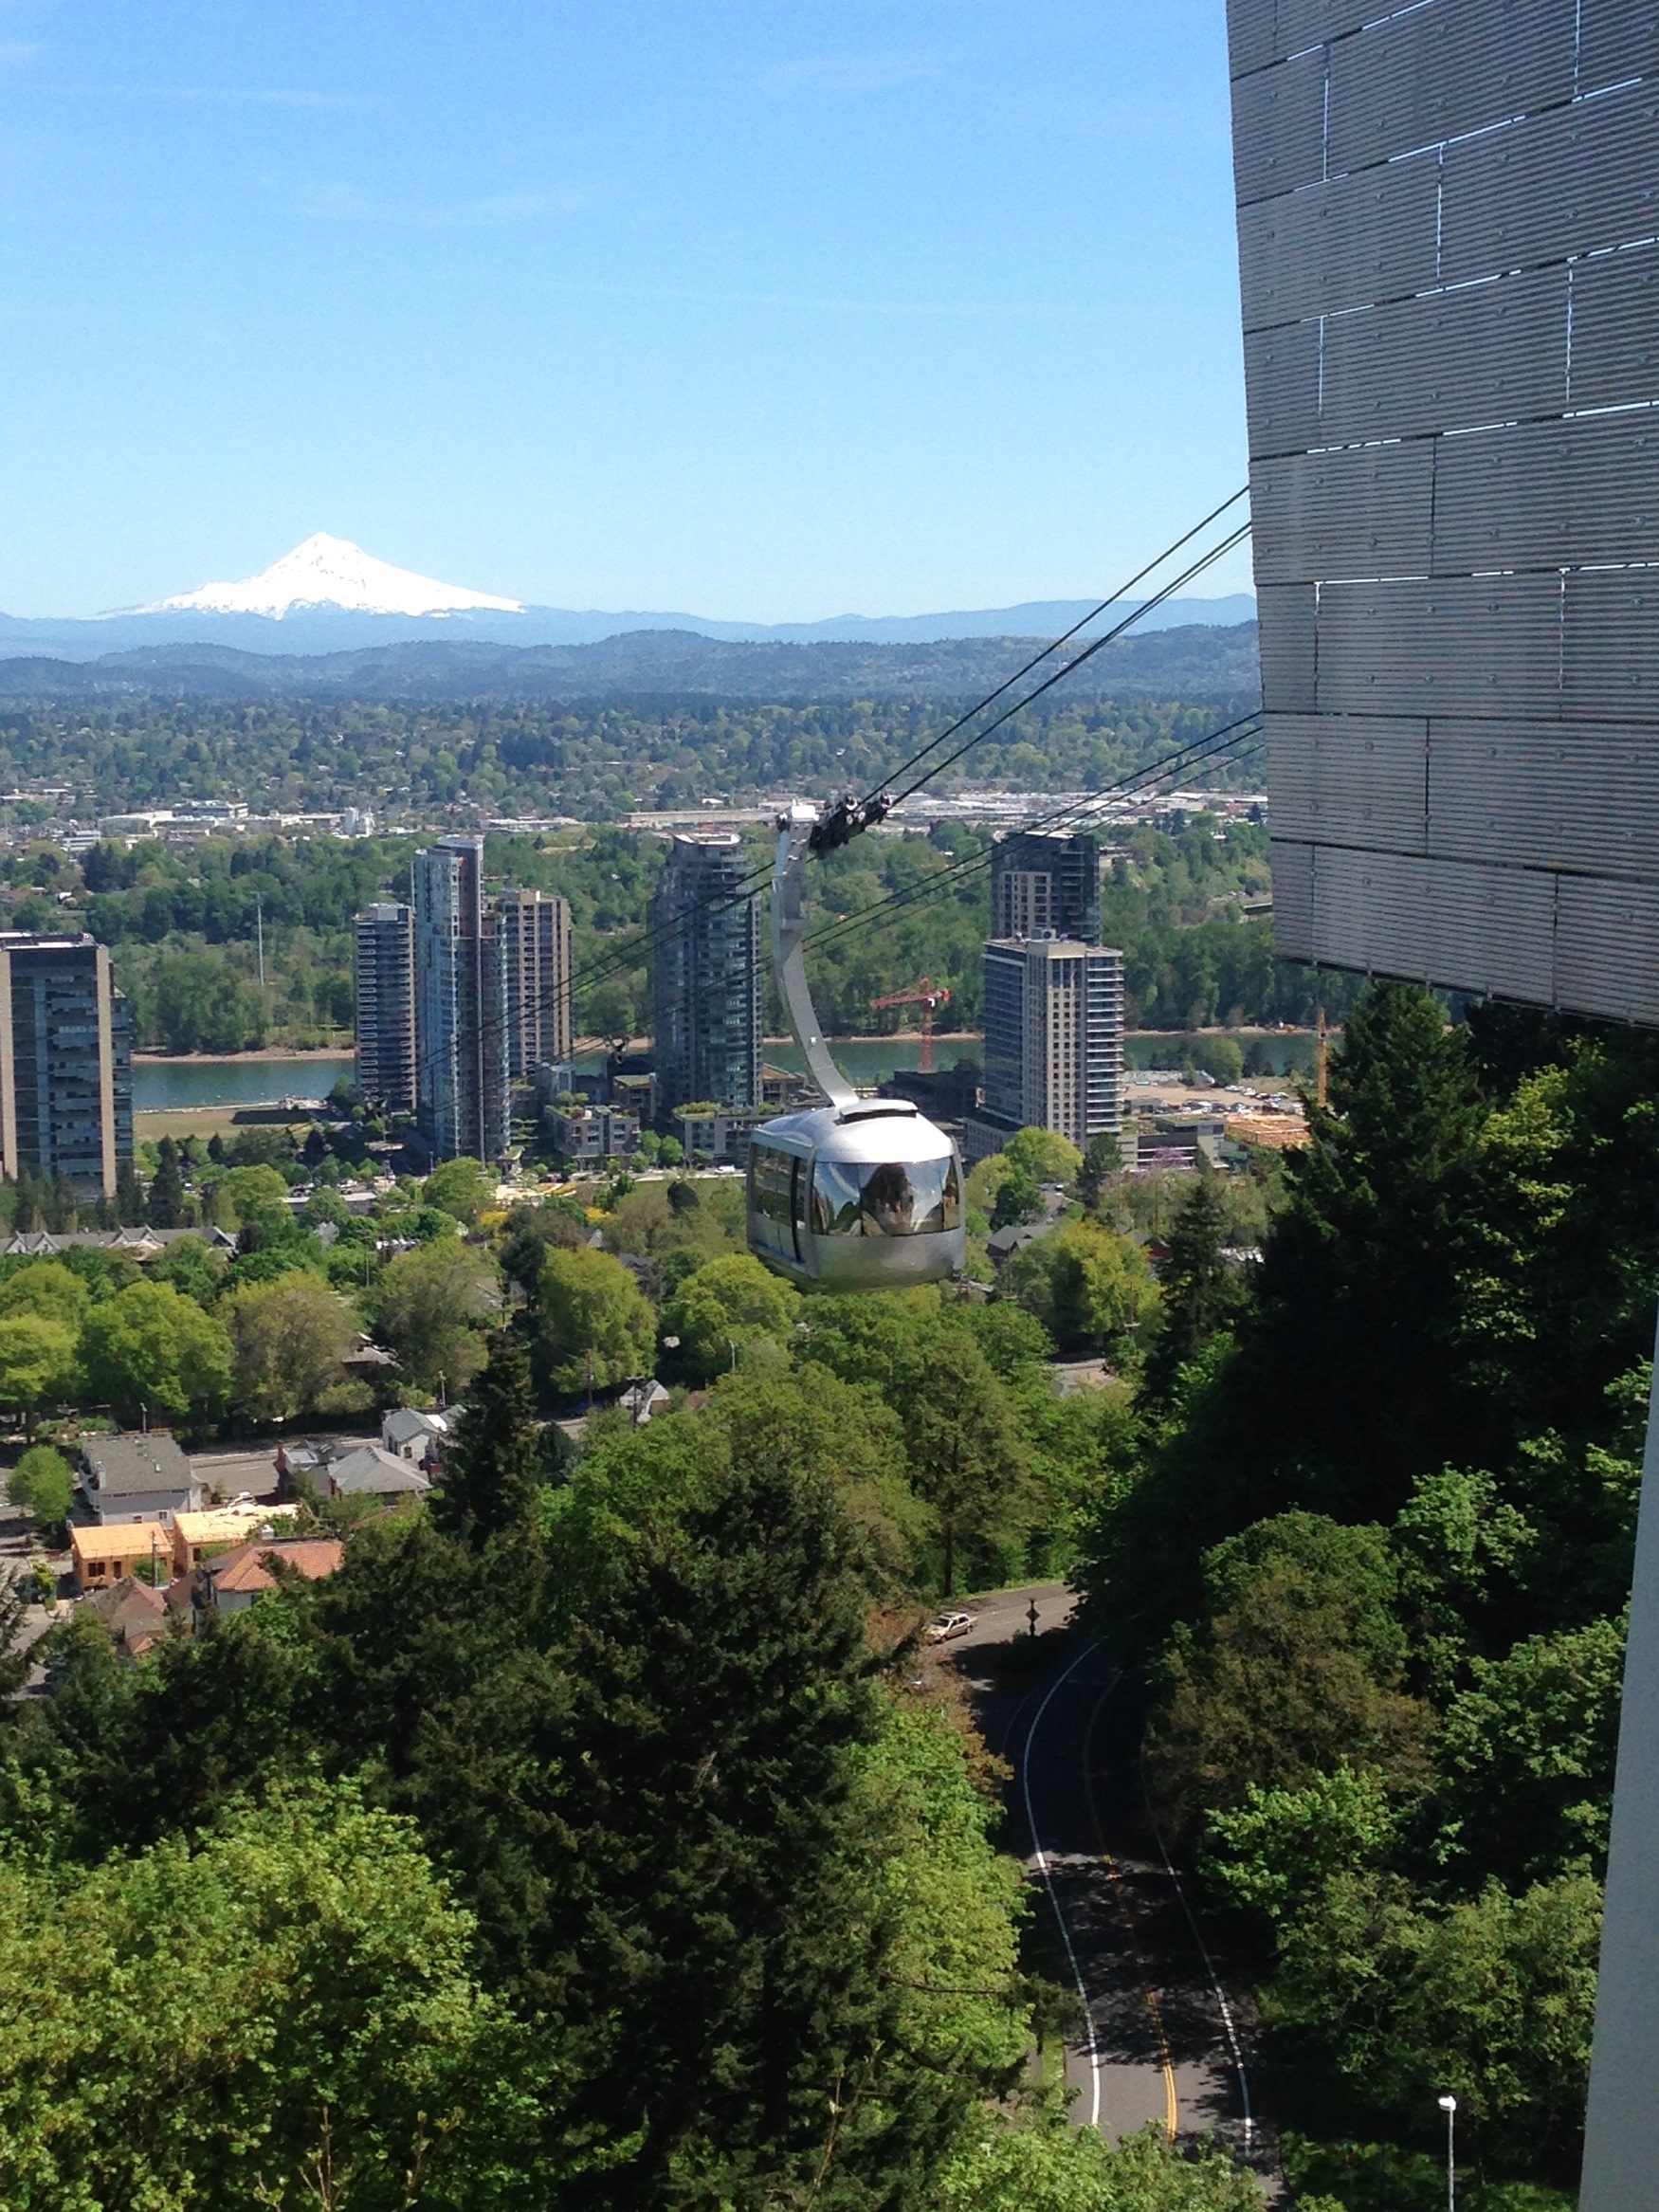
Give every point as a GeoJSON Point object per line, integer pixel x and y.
{"type": "Point", "coordinates": [1448, 2106]}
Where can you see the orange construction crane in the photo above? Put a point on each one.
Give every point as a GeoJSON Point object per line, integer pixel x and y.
{"type": "Point", "coordinates": [927, 996]}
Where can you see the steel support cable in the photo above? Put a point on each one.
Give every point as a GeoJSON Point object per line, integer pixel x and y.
{"type": "Point", "coordinates": [617, 962]}
{"type": "Point", "coordinates": [1203, 753]}
{"type": "Point", "coordinates": [1090, 650]}
{"type": "Point", "coordinates": [1066, 636]}
{"type": "Point", "coordinates": [1196, 753]}
{"type": "Point", "coordinates": [613, 963]}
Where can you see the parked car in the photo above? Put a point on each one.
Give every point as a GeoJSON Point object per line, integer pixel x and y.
{"type": "Point", "coordinates": [947, 1626]}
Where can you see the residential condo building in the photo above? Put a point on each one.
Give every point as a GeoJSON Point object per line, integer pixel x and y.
{"type": "Point", "coordinates": [384, 945]}
{"type": "Point", "coordinates": [66, 1063]}
{"type": "Point", "coordinates": [1047, 882]}
{"type": "Point", "coordinates": [462, 1078]}
{"type": "Point", "coordinates": [536, 929]}
{"type": "Point", "coordinates": [706, 981]}
{"type": "Point", "coordinates": [1053, 1042]}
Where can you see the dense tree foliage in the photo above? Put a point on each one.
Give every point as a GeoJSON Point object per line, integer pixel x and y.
{"type": "Point", "coordinates": [1376, 1553]}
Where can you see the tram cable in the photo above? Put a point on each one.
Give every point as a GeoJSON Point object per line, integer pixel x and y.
{"type": "Point", "coordinates": [617, 961]}
{"type": "Point", "coordinates": [1064, 638]}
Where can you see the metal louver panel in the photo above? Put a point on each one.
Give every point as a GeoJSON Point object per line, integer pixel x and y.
{"type": "Point", "coordinates": [1453, 369]}
{"type": "Point", "coordinates": [1451, 645]}
{"type": "Point", "coordinates": [1465, 926]}
{"type": "Point", "coordinates": [1616, 39]}
{"type": "Point", "coordinates": [1616, 329]}
{"type": "Point", "coordinates": [1607, 949]}
{"type": "Point", "coordinates": [1363, 512]}
{"type": "Point", "coordinates": [1308, 23]}
{"type": "Point", "coordinates": [1292, 899]}
{"type": "Point", "coordinates": [1496, 352]}
{"type": "Point", "coordinates": [1339, 244]}
{"type": "Point", "coordinates": [1547, 494]}
{"type": "Point", "coordinates": [1278, 137]}
{"type": "Point", "coordinates": [1569, 798]}
{"type": "Point", "coordinates": [1281, 381]}
{"type": "Point", "coordinates": [1609, 645]}
{"type": "Point", "coordinates": [1438, 71]}
{"type": "Point", "coordinates": [1250, 28]}
{"type": "Point", "coordinates": [1575, 181]}
{"type": "Point", "coordinates": [1349, 779]}
{"type": "Point", "coordinates": [1288, 632]}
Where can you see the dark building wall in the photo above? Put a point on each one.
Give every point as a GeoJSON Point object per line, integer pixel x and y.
{"type": "Point", "coordinates": [1071, 860]}
{"type": "Point", "coordinates": [1448, 249]}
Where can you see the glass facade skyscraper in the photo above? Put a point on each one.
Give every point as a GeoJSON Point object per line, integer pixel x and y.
{"type": "Point", "coordinates": [706, 978]}
{"type": "Point", "coordinates": [461, 1102]}
{"type": "Point", "coordinates": [384, 945]}
{"type": "Point", "coordinates": [66, 1063]}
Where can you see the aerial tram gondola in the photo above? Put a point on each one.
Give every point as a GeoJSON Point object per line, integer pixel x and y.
{"type": "Point", "coordinates": [859, 1194]}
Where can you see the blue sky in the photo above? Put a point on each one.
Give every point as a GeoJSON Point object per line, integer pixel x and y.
{"type": "Point", "coordinates": [773, 309]}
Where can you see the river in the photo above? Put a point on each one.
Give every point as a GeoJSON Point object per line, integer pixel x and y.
{"type": "Point", "coordinates": [172, 1085]}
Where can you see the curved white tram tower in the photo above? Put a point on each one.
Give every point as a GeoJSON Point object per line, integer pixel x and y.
{"type": "Point", "coordinates": [861, 1194]}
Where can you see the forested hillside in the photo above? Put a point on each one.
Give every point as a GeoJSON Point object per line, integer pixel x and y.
{"type": "Point", "coordinates": [1376, 1557]}
{"type": "Point", "coordinates": [594, 758]}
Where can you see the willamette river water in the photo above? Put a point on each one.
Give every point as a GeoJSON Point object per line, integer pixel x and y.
{"type": "Point", "coordinates": [174, 1084]}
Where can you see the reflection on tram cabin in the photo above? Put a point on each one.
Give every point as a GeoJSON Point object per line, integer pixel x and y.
{"type": "Point", "coordinates": [919, 1197]}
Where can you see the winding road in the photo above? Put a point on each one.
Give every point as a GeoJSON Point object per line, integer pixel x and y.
{"type": "Point", "coordinates": [1164, 2036]}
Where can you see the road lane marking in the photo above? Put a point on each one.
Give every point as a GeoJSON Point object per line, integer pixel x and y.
{"type": "Point", "coordinates": [1042, 1860]}
{"type": "Point", "coordinates": [1155, 2011]}
{"type": "Point", "coordinates": [1233, 2042]}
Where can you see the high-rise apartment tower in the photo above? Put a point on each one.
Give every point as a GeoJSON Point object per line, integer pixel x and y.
{"type": "Point", "coordinates": [384, 943]}
{"type": "Point", "coordinates": [1047, 880]}
{"type": "Point", "coordinates": [460, 990]}
{"type": "Point", "coordinates": [66, 1063]}
{"type": "Point", "coordinates": [706, 983]}
{"type": "Point", "coordinates": [535, 930]}
{"type": "Point", "coordinates": [1053, 1041]}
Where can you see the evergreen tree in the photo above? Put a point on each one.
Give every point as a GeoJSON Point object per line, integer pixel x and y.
{"type": "Point", "coordinates": [492, 1470]}
{"type": "Point", "coordinates": [129, 1198]}
{"type": "Point", "coordinates": [167, 1191]}
{"type": "Point", "coordinates": [1201, 1292]}
{"type": "Point", "coordinates": [1361, 1296]}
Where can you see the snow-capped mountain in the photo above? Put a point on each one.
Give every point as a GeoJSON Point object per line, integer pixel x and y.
{"type": "Point", "coordinates": [333, 572]}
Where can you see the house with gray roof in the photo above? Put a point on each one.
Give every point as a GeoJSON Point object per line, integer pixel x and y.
{"type": "Point", "coordinates": [369, 1473]}
{"type": "Point", "coordinates": [138, 1478]}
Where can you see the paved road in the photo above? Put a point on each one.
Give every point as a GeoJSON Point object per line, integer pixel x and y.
{"type": "Point", "coordinates": [1164, 2038]}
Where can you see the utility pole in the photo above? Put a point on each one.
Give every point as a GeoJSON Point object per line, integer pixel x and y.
{"type": "Point", "coordinates": [1321, 1054]}
{"type": "Point", "coordinates": [258, 923]}
{"type": "Point", "coordinates": [1448, 2106]}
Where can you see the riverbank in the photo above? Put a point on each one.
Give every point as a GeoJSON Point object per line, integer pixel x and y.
{"type": "Point", "coordinates": [267, 1055]}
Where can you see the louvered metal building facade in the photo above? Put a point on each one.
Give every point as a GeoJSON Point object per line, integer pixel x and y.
{"type": "Point", "coordinates": [1448, 243]}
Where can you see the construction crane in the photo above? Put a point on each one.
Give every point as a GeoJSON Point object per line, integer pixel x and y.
{"type": "Point", "coordinates": [926, 995]}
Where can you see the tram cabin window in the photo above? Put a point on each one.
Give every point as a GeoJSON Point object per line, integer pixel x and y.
{"type": "Point", "coordinates": [770, 1174]}
{"type": "Point", "coordinates": [890, 1197]}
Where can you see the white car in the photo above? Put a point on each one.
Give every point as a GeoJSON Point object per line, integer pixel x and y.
{"type": "Point", "coordinates": [947, 1626]}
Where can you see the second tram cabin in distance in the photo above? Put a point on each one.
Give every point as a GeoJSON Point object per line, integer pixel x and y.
{"type": "Point", "coordinates": [857, 1197]}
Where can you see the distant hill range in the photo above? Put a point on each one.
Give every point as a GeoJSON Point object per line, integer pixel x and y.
{"type": "Point", "coordinates": [1198, 659]}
